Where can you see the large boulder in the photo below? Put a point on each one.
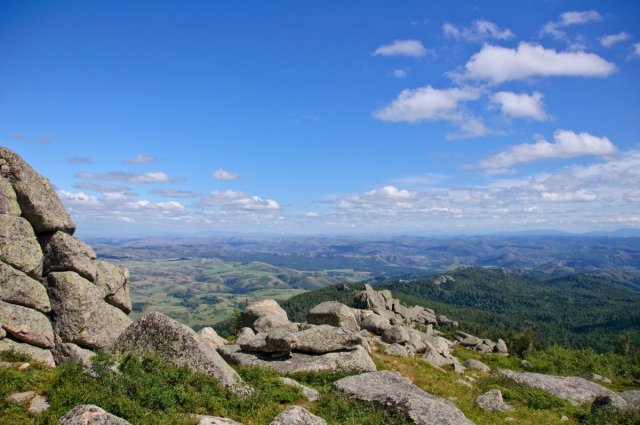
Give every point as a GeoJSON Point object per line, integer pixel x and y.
{"type": "Point", "coordinates": [264, 315]}
{"type": "Point", "coordinates": [19, 247]}
{"type": "Point", "coordinates": [70, 352]}
{"type": "Point", "coordinates": [397, 392]}
{"type": "Point", "coordinates": [63, 252]}
{"type": "Point", "coordinates": [81, 315]}
{"type": "Point", "coordinates": [26, 324]}
{"type": "Point", "coordinates": [276, 342]}
{"type": "Point", "coordinates": [211, 337]}
{"type": "Point", "coordinates": [114, 281]}
{"type": "Point", "coordinates": [18, 288]}
{"type": "Point", "coordinates": [335, 314]}
{"type": "Point", "coordinates": [476, 364]}
{"type": "Point", "coordinates": [375, 323]}
{"type": "Point", "coordinates": [326, 338]}
{"type": "Point", "coordinates": [632, 397]}
{"type": "Point", "coordinates": [38, 201]}
{"type": "Point", "coordinates": [571, 388]}
{"type": "Point", "coordinates": [357, 360]}
{"type": "Point", "coordinates": [41, 355]}
{"type": "Point", "coordinates": [89, 414]}
{"type": "Point", "coordinates": [179, 345]}
{"type": "Point", "coordinates": [396, 335]}
{"type": "Point", "coordinates": [297, 415]}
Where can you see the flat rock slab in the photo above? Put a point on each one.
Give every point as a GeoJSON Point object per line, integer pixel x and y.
{"type": "Point", "coordinates": [325, 339]}
{"type": "Point", "coordinates": [89, 414]}
{"type": "Point", "coordinates": [38, 354]}
{"type": "Point", "coordinates": [357, 360]}
{"type": "Point", "coordinates": [297, 415]}
{"type": "Point", "coordinates": [178, 345]}
{"type": "Point", "coordinates": [19, 247]}
{"type": "Point", "coordinates": [26, 324]}
{"type": "Point", "coordinates": [309, 393]}
{"type": "Point", "coordinates": [571, 388]}
{"type": "Point", "coordinates": [396, 392]}
{"type": "Point", "coordinates": [335, 314]}
{"type": "Point", "coordinates": [62, 252]}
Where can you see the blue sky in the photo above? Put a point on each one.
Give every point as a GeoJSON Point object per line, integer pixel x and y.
{"type": "Point", "coordinates": [328, 117]}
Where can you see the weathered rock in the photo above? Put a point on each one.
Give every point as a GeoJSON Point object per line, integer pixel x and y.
{"type": "Point", "coordinates": [62, 252]}
{"type": "Point", "coordinates": [309, 393]}
{"type": "Point", "coordinates": [8, 199]}
{"type": "Point", "coordinates": [277, 341]}
{"type": "Point", "coordinates": [501, 347]}
{"type": "Point", "coordinates": [607, 401]}
{"type": "Point", "coordinates": [179, 345]}
{"type": "Point", "coordinates": [38, 405]}
{"type": "Point", "coordinates": [436, 359]}
{"type": "Point", "coordinates": [21, 397]}
{"type": "Point", "coordinates": [269, 311]}
{"type": "Point", "coordinates": [445, 321]}
{"type": "Point", "coordinates": [114, 280]}
{"type": "Point", "coordinates": [245, 335]}
{"type": "Point", "coordinates": [396, 334]}
{"type": "Point", "coordinates": [571, 388]}
{"type": "Point", "coordinates": [632, 397]}
{"type": "Point", "coordinates": [81, 316]}
{"type": "Point", "coordinates": [483, 348]}
{"type": "Point", "coordinates": [297, 415]}
{"type": "Point", "coordinates": [476, 364]}
{"type": "Point", "coordinates": [594, 377]}
{"type": "Point", "coordinates": [326, 338]}
{"type": "Point", "coordinates": [18, 245]}
{"type": "Point", "coordinates": [214, 420]}
{"type": "Point", "coordinates": [375, 323]}
{"type": "Point", "coordinates": [393, 390]}
{"type": "Point", "coordinates": [467, 340]}
{"type": "Point", "coordinates": [89, 414]}
{"type": "Point", "coordinates": [417, 341]}
{"type": "Point", "coordinates": [26, 324]}
{"type": "Point", "coordinates": [18, 288]}
{"type": "Point", "coordinates": [492, 401]}
{"type": "Point", "coordinates": [37, 199]}
{"type": "Point", "coordinates": [211, 337]}
{"type": "Point", "coordinates": [335, 314]}
{"type": "Point", "coordinates": [357, 360]}
{"type": "Point", "coordinates": [38, 354]}
{"type": "Point", "coordinates": [69, 352]}
{"type": "Point", "coordinates": [440, 344]}
{"type": "Point", "coordinates": [397, 350]}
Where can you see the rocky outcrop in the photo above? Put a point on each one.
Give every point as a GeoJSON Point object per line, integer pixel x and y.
{"type": "Point", "coordinates": [211, 337]}
{"type": "Point", "coordinates": [492, 401]}
{"type": "Point", "coordinates": [397, 392]}
{"type": "Point", "coordinates": [89, 414]}
{"type": "Point", "coordinates": [357, 360]}
{"type": "Point", "coordinates": [476, 364]}
{"type": "Point", "coordinates": [53, 291]}
{"type": "Point", "coordinates": [178, 345]}
{"type": "Point", "coordinates": [382, 303]}
{"type": "Point", "coordinates": [264, 315]}
{"type": "Point", "coordinates": [335, 314]}
{"type": "Point", "coordinates": [297, 415]}
{"type": "Point", "coordinates": [571, 388]}
{"type": "Point", "coordinates": [325, 339]}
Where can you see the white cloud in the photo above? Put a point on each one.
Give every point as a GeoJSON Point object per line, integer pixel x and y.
{"type": "Point", "coordinates": [567, 19]}
{"type": "Point", "coordinates": [142, 159]}
{"type": "Point", "coordinates": [499, 64]}
{"type": "Point", "coordinates": [470, 127]}
{"type": "Point", "coordinates": [478, 31]}
{"type": "Point", "coordinates": [426, 104]}
{"type": "Point", "coordinates": [520, 105]}
{"type": "Point", "coordinates": [412, 48]}
{"type": "Point", "coordinates": [567, 144]}
{"type": "Point", "coordinates": [610, 40]}
{"type": "Point", "coordinates": [581, 195]}
{"type": "Point", "coordinates": [636, 51]}
{"type": "Point", "coordinates": [174, 193]}
{"type": "Point", "coordinates": [399, 73]}
{"type": "Point", "coordinates": [221, 174]}
{"type": "Point", "coordinates": [149, 177]}
{"type": "Point", "coordinates": [230, 199]}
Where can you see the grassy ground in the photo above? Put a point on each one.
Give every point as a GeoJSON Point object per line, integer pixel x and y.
{"type": "Point", "coordinates": [148, 391]}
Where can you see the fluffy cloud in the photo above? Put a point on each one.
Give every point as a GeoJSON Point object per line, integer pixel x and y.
{"type": "Point", "coordinates": [636, 50]}
{"type": "Point", "coordinates": [221, 174]}
{"type": "Point", "coordinates": [399, 73]}
{"type": "Point", "coordinates": [412, 48]}
{"type": "Point", "coordinates": [520, 105]}
{"type": "Point", "coordinates": [426, 104]}
{"type": "Point", "coordinates": [232, 200]}
{"type": "Point", "coordinates": [499, 64]}
{"type": "Point", "coordinates": [478, 31]}
{"type": "Point", "coordinates": [567, 144]}
{"type": "Point", "coordinates": [610, 40]}
{"type": "Point", "coordinates": [149, 177]}
{"type": "Point", "coordinates": [567, 19]}
{"type": "Point", "coordinates": [142, 159]}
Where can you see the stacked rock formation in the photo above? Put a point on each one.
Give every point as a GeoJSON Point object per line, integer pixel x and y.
{"type": "Point", "coordinates": [57, 301]}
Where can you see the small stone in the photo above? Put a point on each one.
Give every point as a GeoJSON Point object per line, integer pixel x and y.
{"type": "Point", "coordinates": [21, 397]}
{"type": "Point", "coordinates": [38, 404]}
{"type": "Point", "coordinates": [214, 420]}
{"type": "Point", "coordinates": [463, 382]}
{"type": "Point", "coordinates": [90, 414]}
{"type": "Point", "coordinates": [297, 415]}
{"type": "Point", "coordinates": [492, 401]}
{"type": "Point", "coordinates": [564, 418]}
{"type": "Point", "coordinates": [476, 364]}
{"type": "Point", "coordinates": [309, 393]}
